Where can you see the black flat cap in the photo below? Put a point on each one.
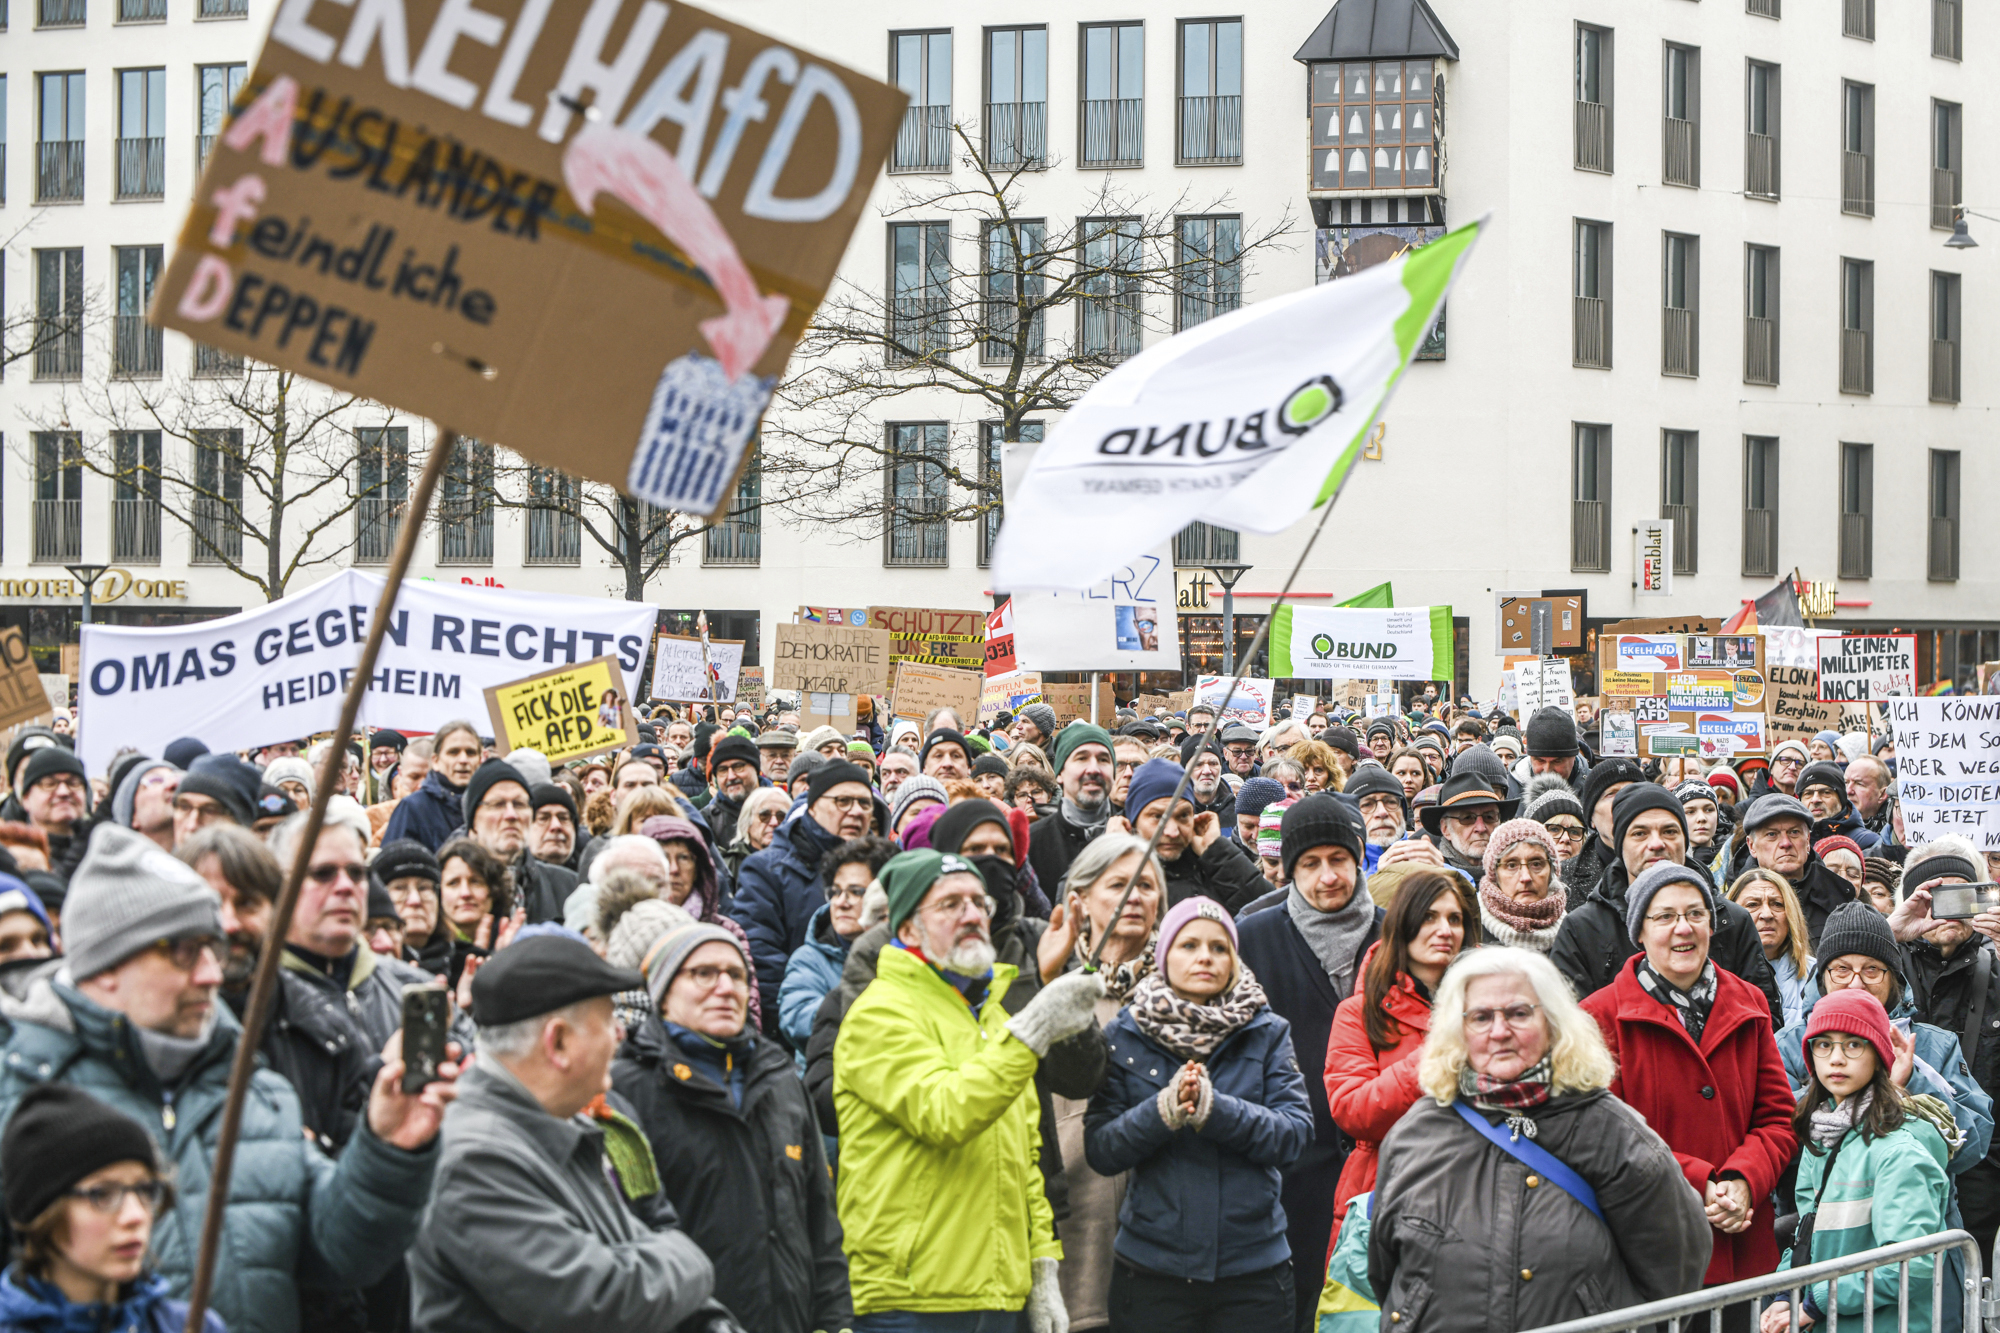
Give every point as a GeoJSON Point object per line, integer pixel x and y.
{"type": "Point", "coordinates": [540, 975]}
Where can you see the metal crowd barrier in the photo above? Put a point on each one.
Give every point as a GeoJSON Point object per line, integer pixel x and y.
{"type": "Point", "coordinates": [1683, 1314]}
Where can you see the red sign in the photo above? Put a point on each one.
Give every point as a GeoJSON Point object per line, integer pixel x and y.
{"type": "Point", "coordinates": [1000, 639]}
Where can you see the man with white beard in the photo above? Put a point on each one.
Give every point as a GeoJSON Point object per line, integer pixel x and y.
{"type": "Point", "coordinates": [1378, 797]}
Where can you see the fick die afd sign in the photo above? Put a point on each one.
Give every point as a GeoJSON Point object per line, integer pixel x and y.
{"type": "Point", "coordinates": [592, 229]}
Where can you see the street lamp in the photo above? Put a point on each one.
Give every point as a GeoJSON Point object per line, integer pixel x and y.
{"type": "Point", "coordinates": [1960, 238]}
{"type": "Point", "coordinates": [87, 575]}
{"type": "Point", "coordinates": [1228, 574]}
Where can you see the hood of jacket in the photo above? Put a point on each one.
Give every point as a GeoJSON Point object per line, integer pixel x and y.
{"type": "Point", "coordinates": [820, 935]}
{"type": "Point", "coordinates": [684, 830]}
{"type": "Point", "coordinates": [33, 1306]}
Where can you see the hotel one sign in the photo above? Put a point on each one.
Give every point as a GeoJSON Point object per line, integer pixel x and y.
{"type": "Point", "coordinates": [112, 585]}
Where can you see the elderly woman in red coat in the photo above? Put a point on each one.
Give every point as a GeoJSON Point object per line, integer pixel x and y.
{"type": "Point", "coordinates": [1697, 1059]}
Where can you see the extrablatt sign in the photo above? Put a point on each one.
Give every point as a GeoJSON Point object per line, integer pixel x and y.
{"type": "Point", "coordinates": [594, 231]}
{"type": "Point", "coordinates": [566, 714]}
{"type": "Point", "coordinates": [1857, 668]}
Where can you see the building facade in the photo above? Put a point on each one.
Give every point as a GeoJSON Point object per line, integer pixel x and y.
{"type": "Point", "coordinates": [1715, 290]}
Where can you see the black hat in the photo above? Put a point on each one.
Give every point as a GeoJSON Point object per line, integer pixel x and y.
{"type": "Point", "coordinates": [648, 732]}
{"type": "Point", "coordinates": [380, 904]}
{"type": "Point", "coordinates": [1824, 773]}
{"type": "Point", "coordinates": [30, 740]}
{"type": "Point", "coordinates": [484, 779]}
{"type": "Point", "coordinates": [1319, 820]}
{"type": "Point", "coordinates": [47, 762]}
{"type": "Point", "coordinates": [1858, 928]}
{"type": "Point", "coordinates": [552, 793]}
{"type": "Point", "coordinates": [955, 825]}
{"type": "Point", "coordinates": [990, 763]}
{"type": "Point", "coordinates": [405, 857]}
{"type": "Point", "coordinates": [1551, 734]}
{"type": "Point", "coordinates": [830, 775]}
{"type": "Point", "coordinates": [273, 803]}
{"type": "Point", "coordinates": [1604, 774]}
{"type": "Point", "coordinates": [646, 751]}
{"type": "Point", "coordinates": [228, 780]}
{"type": "Point", "coordinates": [184, 751]}
{"type": "Point", "coordinates": [1237, 732]}
{"type": "Point", "coordinates": [395, 740]}
{"type": "Point", "coordinates": [1464, 789]}
{"type": "Point", "coordinates": [945, 734]}
{"type": "Point", "coordinates": [49, 887]}
{"type": "Point", "coordinates": [1342, 739]}
{"type": "Point", "coordinates": [1371, 779]}
{"type": "Point", "coordinates": [733, 747]}
{"type": "Point", "coordinates": [59, 1134]}
{"type": "Point", "coordinates": [540, 975]}
{"type": "Point", "coordinates": [1380, 725]}
{"type": "Point", "coordinates": [1634, 801]}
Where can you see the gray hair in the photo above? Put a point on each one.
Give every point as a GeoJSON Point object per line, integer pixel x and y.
{"type": "Point", "coordinates": [342, 812]}
{"type": "Point", "coordinates": [1103, 852]}
{"type": "Point", "coordinates": [754, 803]}
{"type": "Point", "coordinates": [517, 1039]}
{"type": "Point", "coordinates": [242, 857]}
{"type": "Point", "coordinates": [619, 849]}
{"type": "Point", "coordinates": [1274, 768]}
{"type": "Point", "coordinates": [1578, 1057]}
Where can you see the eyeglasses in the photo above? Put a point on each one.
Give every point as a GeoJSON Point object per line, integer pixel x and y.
{"type": "Point", "coordinates": [1787, 762]}
{"type": "Point", "coordinates": [1538, 865]}
{"type": "Point", "coordinates": [61, 782]}
{"type": "Point", "coordinates": [949, 909]}
{"type": "Point", "coordinates": [1847, 1046]}
{"type": "Point", "coordinates": [328, 873]}
{"type": "Point", "coordinates": [706, 976]}
{"type": "Point", "coordinates": [1842, 973]}
{"type": "Point", "coordinates": [506, 807]}
{"type": "Point", "coordinates": [1694, 916]}
{"type": "Point", "coordinates": [1489, 816]}
{"type": "Point", "coordinates": [108, 1199]}
{"type": "Point", "coordinates": [1517, 1017]}
{"type": "Point", "coordinates": [1565, 832]}
{"type": "Point", "coordinates": [849, 891]}
{"type": "Point", "coordinates": [770, 816]}
{"type": "Point", "coordinates": [186, 951]}
{"type": "Point", "coordinates": [850, 803]}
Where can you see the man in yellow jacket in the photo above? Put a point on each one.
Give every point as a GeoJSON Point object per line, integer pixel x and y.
{"type": "Point", "coordinates": [947, 1227]}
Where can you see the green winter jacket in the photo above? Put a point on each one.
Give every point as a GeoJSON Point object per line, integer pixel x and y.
{"type": "Point", "coordinates": [1883, 1190]}
{"type": "Point", "coordinates": [295, 1215]}
{"type": "Point", "coordinates": [940, 1190]}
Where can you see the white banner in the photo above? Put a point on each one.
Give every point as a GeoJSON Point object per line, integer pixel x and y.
{"type": "Point", "coordinates": [1124, 623]}
{"type": "Point", "coordinates": [678, 674]}
{"type": "Point", "coordinates": [1546, 683]}
{"type": "Point", "coordinates": [1249, 704]}
{"type": "Point", "coordinates": [1948, 767]}
{"type": "Point", "coordinates": [1858, 668]}
{"type": "Point", "coordinates": [1369, 643]}
{"type": "Point", "coordinates": [1787, 646]}
{"type": "Point", "coordinates": [278, 672]}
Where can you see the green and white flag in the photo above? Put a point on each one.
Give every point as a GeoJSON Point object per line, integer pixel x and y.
{"type": "Point", "coordinates": [1247, 421]}
{"type": "Point", "coordinates": [1361, 643]}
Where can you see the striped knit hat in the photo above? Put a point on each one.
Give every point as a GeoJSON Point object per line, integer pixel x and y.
{"type": "Point", "coordinates": [1270, 831]}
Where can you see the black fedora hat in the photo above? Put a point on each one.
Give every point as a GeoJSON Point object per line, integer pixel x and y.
{"type": "Point", "coordinates": [1461, 790]}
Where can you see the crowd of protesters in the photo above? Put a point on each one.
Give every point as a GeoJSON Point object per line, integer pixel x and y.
{"type": "Point", "coordinates": [1431, 1020]}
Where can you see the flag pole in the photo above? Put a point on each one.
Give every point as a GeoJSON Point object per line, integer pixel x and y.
{"type": "Point", "coordinates": [263, 989]}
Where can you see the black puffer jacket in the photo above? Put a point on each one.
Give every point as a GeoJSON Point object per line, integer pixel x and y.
{"type": "Point", "coordinates": [1592, 943]}
{"type": "Point", "coordinates": [750, 1183]}
{"type": "Point", "coordinates": [1463, 1241]}
{"type": "Point", "coordinates": [316, 1044]}
{"type": "Point", "coordinates": [1221, 873]}
{"type": "Point", "coordinates": [1943, 990]}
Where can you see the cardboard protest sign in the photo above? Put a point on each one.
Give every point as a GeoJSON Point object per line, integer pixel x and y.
{"type": "Point", "coordinates": [920, 687]}
{"type": "Point", "coordinates": [22, 698]}
{"type": "Point", "coordinates": [930, 634]}
{"type": "Point", "coordinates": [1948, 767]}
{"type": "Point", "coordinates": [1007, 694]}
{"type": "Point", "coordinates": [1859, 668]}
{"type": "Point", "coordinates": [592, 231]}
{"type": "Point", "coordinates": [1713, 700]}
{"type": "Point", "coordinates": [1150, 705]}
{"type": "Point", "coordinates": [1073, 701]}
{"type": "Point", "coordinates": [566, 714]}
{"type": "Point", "coordinates": [1545, 683]}
{"type": "Point", "coordinates": [678, 673]}
{"type": "Point", "coordinates": [750, 688]}
{"type": "Point", "coordinates": [829, 659]}
{"type": "Point", "coordinates": [1796, 709]}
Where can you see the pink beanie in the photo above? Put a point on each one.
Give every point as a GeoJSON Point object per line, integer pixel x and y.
{"type": "Point", "coordinates": [1855, 1012]}
{"type": "Point", "coordinates": [1184, 911]}
{"type": "Point", "coordinates": [1516, 831]}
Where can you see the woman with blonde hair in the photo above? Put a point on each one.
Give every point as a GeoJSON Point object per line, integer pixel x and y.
{"type": "Point", "coordinates": [1781, 928]}
{"type": "Point", "coordinates": [1025, 754]}
{"type": "Point", "coordinates": [1316, 760]}
{"type": "Point", "coordinates": [1519, 1192]}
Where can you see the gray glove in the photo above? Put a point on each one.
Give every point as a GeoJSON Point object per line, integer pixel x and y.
{"type": "Point", "coordinates": [1046, 1311]}
{"type": "Point", "coordinates": [1063, 1008]}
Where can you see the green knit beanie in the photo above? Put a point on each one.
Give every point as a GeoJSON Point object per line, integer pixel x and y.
{"type": "Point", "coordinates": [908, 876]}
{"type": "Point", "coordinates": [1075, 734]}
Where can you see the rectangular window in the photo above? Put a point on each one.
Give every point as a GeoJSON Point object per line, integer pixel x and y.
{"type": "Point", "coordinates": [1769, 9]}
{"type": "Point", "coordinates": [135, 345]}
{"type": "Point", "coordinates": [1681, 125]}
{"type": "Point", "coordinates": [916, 532]}
{"type": "Point", "coordinates": [1857, 510]}
{"type": "Point", "coordinates": [920, 64]}
{"type": "Point", "coordinates": [217, 87]}
{"type": "Point", "coordinates": [1379, 130]}
{"type": "Point", "coordinates": [1760, 506]}
{"type": "Point", "coordinates": [142, 143]}
{"type": "Point", "coordinates": [739, 538]}
{"type": "Point", "coordinates": [1591, 295]}
{"type": "Point", "coordinates": [1761, 140]}
{"type": "Point", "coordinates": [1857, 326]}
{"type": "Point", "coordinates": [1200, 544]}
{"type": "Point", "coordinates": [59, 13]}
{"type": "Point", "coordinates": [58, 314]}
{"type": "Point", "coordinates": [1948, 29]}
{"type": "Point", "coordinates": [465, 506]}
{"type": "Point", "coordinates": [1108, 316]}
{"type": "Point", "coordinates": [58, 496]}
{"type": "Point", "coordinates": [1680, 494]}
{"type": "Point", "coordinates": [1944, 337]}
{"type": "Point", "coordinates": [1857, 148]}
{"type": "Point", "coordinates": [1760, 314]}
{"type": "Point", "coordinates": [384, 491]}
{"type": "Point", "coordinates": [1593, 98]}
{"type": "Point", "coordinates": [59, 143]}
{"type": "Point", "coordinates": [1017, 98]}
{"type": "Point", "coordinates": [1112, 119]}
{"type": "Point", "coordinates": [224, 9]}
{"type": "Point", "coordinates": [142, 11]}
{"type": "Point", "coordinates": [1208, 277]}
{"type": "Point", "coordinates": [1947, 163]}
{"type": "Point", "coordinates": [3, 115]}
{"type": "Point", "coordinates": [919, 290]}
{"type": "Point", "coordinates": [1015, 260]}
{"type": "Point", "coordinates": [1857, 19]}
{"type": "Point", "coordinates": [135, 502]}
{"type": "Point", "coordinates": [1590, 498]}
{"type": "Point", "coordinates": [217, 535]}
{"type": "Point", "coordinates": [1944, 515]}
{"type": "Point", "coordinates": [1680, 304]}
{"type": "Point", "coordinates": [991, 493]}
{"type": "Point", "coordinates": [1211, 96]}
{"type": "Point", "coordinates": [555, 527]}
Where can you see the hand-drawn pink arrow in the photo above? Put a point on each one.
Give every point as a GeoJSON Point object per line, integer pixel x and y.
{"type": "Point", "coordinates": [631, 167]}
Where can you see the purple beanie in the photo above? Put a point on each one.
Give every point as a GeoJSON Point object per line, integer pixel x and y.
{"type": "Point", "coordinates": [1184, 911]}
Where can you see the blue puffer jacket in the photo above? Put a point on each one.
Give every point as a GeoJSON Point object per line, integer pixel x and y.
{"type": "Point", "coordinates": [1202, 1203]}
{"type": "Point", "coordinates": [294, 1215]}
{"type": "Point", "coordinates": [29, 1305]}
{"type": "Point", "coordinates": [430, 814]}
{"type": "Point", "coordinates": [813, 971]}
{"type": "Point", "coordinates": [777, 892]}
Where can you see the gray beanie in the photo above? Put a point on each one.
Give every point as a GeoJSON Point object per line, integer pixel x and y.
{"type": "Point", "coordinates": [534, 766]}
{"type": "Point", "coordinates": [671, 949]}
{"type": "Point", "coordinates": [1654, 878]}
{"type": "Point", "coordinates": [126, 799]}
{"type": "Point", "coordinates": [636, 929]}
{"type": "Point", "coordinates": [290, 768]}
{"type": "Point", "coordinates": [917, 787]}
{"type": "Point", "coordinates": [1043, 716]}
{"type": "Point", "coordinates": [127, 895]}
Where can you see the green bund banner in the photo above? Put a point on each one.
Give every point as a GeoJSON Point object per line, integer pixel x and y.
{"type": "Point", "coordinates": [1361, 643]}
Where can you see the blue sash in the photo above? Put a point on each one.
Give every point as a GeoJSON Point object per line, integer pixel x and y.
{"type": "Point", "coordinates": [1536, 1157]}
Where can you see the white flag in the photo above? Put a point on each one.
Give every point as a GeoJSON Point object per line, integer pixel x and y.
{"type": "Point", "coordinates": [1279, 394]}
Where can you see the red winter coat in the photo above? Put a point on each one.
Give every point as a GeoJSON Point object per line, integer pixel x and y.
{"type": "Point", "coordinates": [1368, 1090]}
{"type": "Point", "coordinates": [1724, 1109]}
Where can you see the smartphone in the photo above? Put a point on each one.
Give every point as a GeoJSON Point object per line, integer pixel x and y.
{"type": "Point", "coordinates": [426, 1024]}
{"type": "Point", "coordinates": [1962, 902]}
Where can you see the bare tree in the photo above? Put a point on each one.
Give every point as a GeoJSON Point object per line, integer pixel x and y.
{"type": "Point", "coordinates": [1045, 311]}
{"type": "Point", "coordinates": [259, 467]}
{"type": "Point", "coordinates": [49, 325]}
